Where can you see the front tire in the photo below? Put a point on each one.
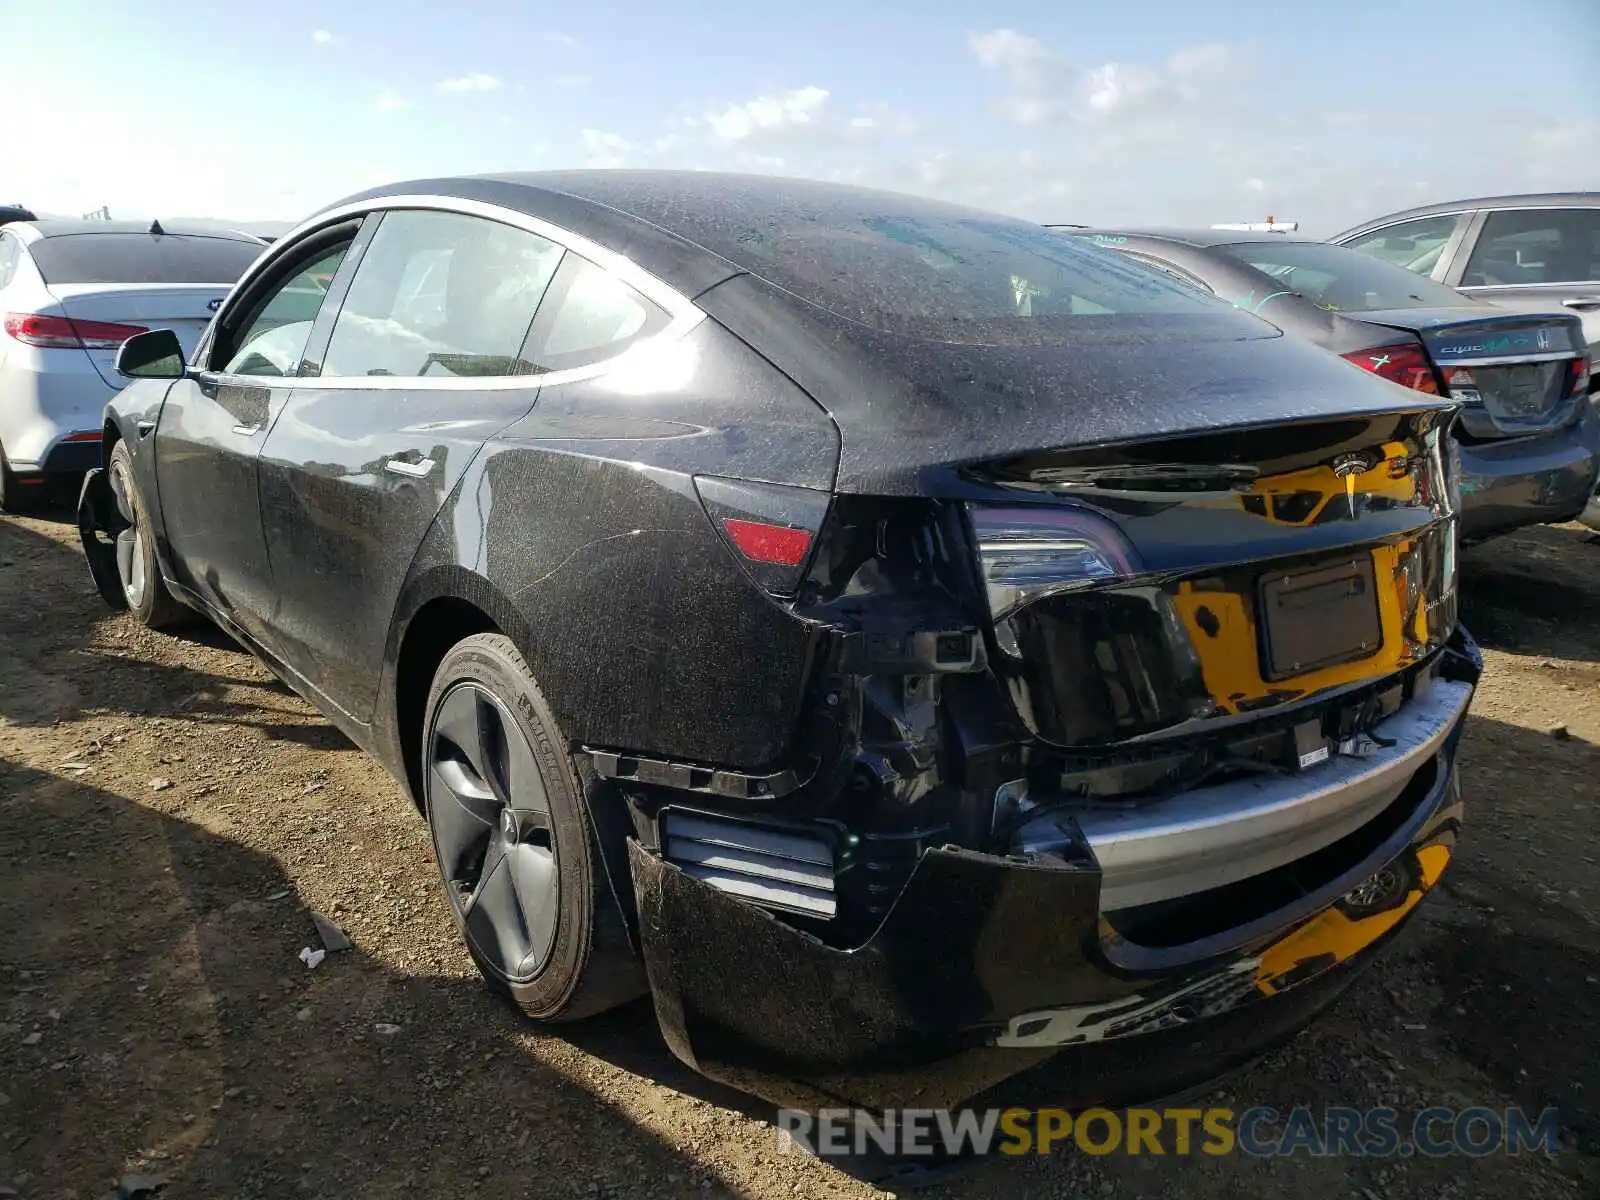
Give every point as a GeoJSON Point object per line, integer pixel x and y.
{"type": "Point", "coordinates": [137, 567]}
{"type": "Point", "coordinates": [512, 836]}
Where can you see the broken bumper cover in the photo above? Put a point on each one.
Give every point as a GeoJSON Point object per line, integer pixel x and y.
{"type": "Point", "coordinates": [1002, 978]}
{"type": "Point", "coordinates": [100, 521]}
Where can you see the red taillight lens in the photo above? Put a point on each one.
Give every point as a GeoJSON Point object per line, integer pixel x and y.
{"type": "Point", "coordinates": [772, 528]}
{"type": "Point", "coordinates": [1405, 364]}
{"type": "Point", "coordinates": [64, 333]}
{"type": "Point", "coordinates": [763, 543]}
{"type": "Point", "coordinates": [1578, 377]}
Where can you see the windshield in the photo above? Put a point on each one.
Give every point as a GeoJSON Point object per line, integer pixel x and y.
{"type": "Point", "coordinates": [947, 274]}
{"type": "Point", "coordinates": [1343, 280]}
{"type": "Point", "coordinates": [142, 258]}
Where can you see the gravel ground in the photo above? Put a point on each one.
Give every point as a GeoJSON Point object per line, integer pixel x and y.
{"type": "Point", "coordinates": [171, 818]}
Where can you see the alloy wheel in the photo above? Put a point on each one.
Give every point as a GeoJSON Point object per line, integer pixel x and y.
{"type": "Point", "coordinates": [492, 831]}
{"type": "Point", "coordinates": [130, 544]}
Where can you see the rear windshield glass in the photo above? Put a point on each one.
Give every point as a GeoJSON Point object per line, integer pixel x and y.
{"type": "Point", "coordinates": [1343, 280]}
{"type": "Point", "coordinates": [945, 275]}
{"type": "Point", "coordinates": [142, 258]}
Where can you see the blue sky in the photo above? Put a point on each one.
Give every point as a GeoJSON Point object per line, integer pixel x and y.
{"type": "Point", "coordinates": [1139, 111]}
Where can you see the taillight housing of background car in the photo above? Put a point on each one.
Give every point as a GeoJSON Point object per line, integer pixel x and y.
{"type": "Point", "coordinates": [50, 332]}
{"type": "Point", "coordinates": [1578, 378]}
{"type": "Point", "coordinates": [1405, 363]}
{"type": "Point", "coordinates": [771, 528]}
{"type": "Point", "coordinates": [1029, 551]}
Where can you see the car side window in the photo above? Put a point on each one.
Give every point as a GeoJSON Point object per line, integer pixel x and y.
{"type": "Point", "coordinates": [588, 317]}
{"type": "Point", "coordinates": [274, 342]}
{"type": "Point", "coordinates": [1415, 245]}
{"type": "Point", "coordinates": [1530, 246]}
{"type": "Point", "coordinates": [441, 295]}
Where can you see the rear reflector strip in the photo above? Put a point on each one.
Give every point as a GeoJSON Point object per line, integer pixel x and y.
{"type": "Point", "coordinates": [764, 543]}
{"type": "Point", "coordinates": [772, 528]}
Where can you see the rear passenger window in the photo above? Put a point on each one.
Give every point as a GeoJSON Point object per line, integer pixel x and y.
{"type": "Point", "coordinates": [1415, 245]}
{"type": "Point", "coordinates": [441, 295]}
{"type": "Point", "coordinates": [589, 316]}
{"type": "Point", "coordinates": [1545, 245]}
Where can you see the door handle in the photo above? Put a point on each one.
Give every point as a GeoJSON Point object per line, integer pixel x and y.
{"type": "Point", "coordinates": [1581, 302]}
{"type": "Point", "coordinates": [411, 470]}
{"type": "Point", "coordinates": [247, 430]}
{"type": "Point", "coordinates": [146, 428]}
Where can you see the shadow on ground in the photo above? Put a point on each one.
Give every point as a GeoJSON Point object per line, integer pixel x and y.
{"type": "Point", "coordinates": [1535, 591]}
{"type": "Point", "coordinates": [149, 984]}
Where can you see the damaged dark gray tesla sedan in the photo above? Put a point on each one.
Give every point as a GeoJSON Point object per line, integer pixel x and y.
{"type": "Point", "coordinates": [863, 624]}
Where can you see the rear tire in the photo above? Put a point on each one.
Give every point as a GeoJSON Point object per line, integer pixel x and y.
{"type": "Point", "coordinates": [516, 850]}
{"type": "Point", "coordinates": [137, 566]}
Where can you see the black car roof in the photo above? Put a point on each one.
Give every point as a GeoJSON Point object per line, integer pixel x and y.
{"type": "Point", "coordinates": [684, 227]}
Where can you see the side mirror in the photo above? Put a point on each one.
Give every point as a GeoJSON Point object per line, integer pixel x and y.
{"type": "Point", "coordinates": [154, 354]}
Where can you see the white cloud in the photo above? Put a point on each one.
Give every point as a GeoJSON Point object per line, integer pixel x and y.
{"type": "Point", "coordinates": [476, 81]}
{"type": "Point", "coordinates": [565, 40]}
{"type": "Point", "coordinates": [602, 149]}
{"type": "Point", "coordinates": [323, 37]}
{"type": "Point", "coordinates": [802, 106]}
{"type": "Point", "coordinates": [570, 81]}
{"type": "Point", "coordinates": [391, 101]}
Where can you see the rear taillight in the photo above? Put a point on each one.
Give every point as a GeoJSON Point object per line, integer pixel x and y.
{"type": "Point", "coordinates": [772, 528]}
{"type": "Point", "coordinates": [1405, 363]}
{"type": "Point", "coordinates": [1578, 377]}
{"type": "Point", "coordinates": [64, 333]}
{"type": "Point", "coordinates": [1028, 552]}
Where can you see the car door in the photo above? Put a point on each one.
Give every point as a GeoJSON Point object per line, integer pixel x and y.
{"type": "Point", "coordinates": [212, 426]}
{"type": "Point", "coordinates": [422, 364]}
{"type": "Point", "coordinates": [1538, 260]}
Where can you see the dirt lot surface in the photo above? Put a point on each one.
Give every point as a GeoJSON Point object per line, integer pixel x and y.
{"type": "Point", "coordinates": [170, 818]}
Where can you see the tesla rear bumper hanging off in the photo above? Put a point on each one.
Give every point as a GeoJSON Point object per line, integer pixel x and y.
{"type": "Point", "coordinates": [1006, 976]}
{"type": "Point", "coordinates": [99, 522]}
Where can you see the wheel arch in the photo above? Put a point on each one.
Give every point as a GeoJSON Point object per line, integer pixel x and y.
{"type": "Point", "coordinates": [439, 608]}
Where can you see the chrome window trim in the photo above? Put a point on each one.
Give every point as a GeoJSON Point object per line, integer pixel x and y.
{"type": "Point", "coordinates": [684, 316]}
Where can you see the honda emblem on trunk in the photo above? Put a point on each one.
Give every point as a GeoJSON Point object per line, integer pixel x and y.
{"type": "Point", "coordinates": [213, 305]}
{"type": "Point", "coordinates": [1543, 338]}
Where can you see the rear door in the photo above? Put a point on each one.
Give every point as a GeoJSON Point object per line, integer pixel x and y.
{"type": "Point", "coordinates": [214, 421]}
{"type": "Point", "coordinates": [423, 363]}
{"type": "Point", "coordinates": [1538, 260]}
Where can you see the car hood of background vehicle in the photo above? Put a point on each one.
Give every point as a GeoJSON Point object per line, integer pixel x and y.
{"type": "Point", "coordinates": [913, 413]}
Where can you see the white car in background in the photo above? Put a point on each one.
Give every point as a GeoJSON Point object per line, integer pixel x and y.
{"type": "Point", "coordinates": [71, 292]}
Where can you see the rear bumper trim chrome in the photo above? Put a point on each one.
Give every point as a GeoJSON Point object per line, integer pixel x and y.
{"type": "Point", "coordinates": [1213, 836]}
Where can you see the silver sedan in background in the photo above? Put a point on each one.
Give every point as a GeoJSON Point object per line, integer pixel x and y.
{"type": "Point", "coordinates": [71, 292]}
